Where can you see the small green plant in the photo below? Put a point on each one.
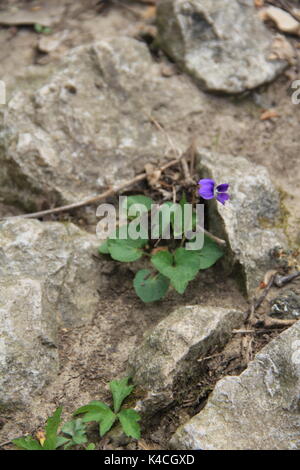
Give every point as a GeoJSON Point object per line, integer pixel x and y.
{"type": "Point", "coordinates": [171, 264]}
{"type": "Point", "coordinates": [50, 440]}
{"type": "Point", "coordinates": [106, 417]}
{"type": "Point", "coordinates": [74, 431]}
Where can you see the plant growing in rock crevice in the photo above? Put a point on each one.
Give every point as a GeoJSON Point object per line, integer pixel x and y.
{"type": "Point", "coordinates": [172, 263]}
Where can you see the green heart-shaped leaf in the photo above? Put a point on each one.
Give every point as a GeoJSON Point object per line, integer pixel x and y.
{"type": "Point", "coordinates": [138, 199]}
{"type": "Point", "coordinates": [180, 268]}
{"type": "Point", "coordinates": [209, 254]}
{"type": "Point", "coordinates": [126, 250]}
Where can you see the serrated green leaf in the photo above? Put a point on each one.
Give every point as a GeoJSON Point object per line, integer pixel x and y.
{"type": "Point", "coordinates": [90, 446]}
{"type": "Point", "coordinates": [27, 443]}
{"type": "Point", "coordinates": [94, 411]}
{"type": "Point", "coordinates": [150, 288]}
{"type": "Point", "coordinates": [209, 254]}
{"type": "Point", "coordinates": [139, 199]}
{"type": "Point", "coordinates": [180, 268]}
{"type": "Point", "coordinates": [51, 429]}
{"type": "Point", "coordinates": [120, 390]}
{"type": "Point", "coordinates": [106, 422]}
{"type": "Point", "coordinates": [99, 412]}
{"type": "Point", "coordinates": [129, 420]}
{"type": "Point", "coordinates": [61, 441]}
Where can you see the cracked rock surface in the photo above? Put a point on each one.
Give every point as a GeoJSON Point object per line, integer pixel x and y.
{"type": "Point", "coordinates": [251, 222]}
{"type": "Point", "coordinates": [167, 359]}
{"type": "Point", "coordinates": [258, 410]}
{"type": "Point", "coordinates": [48, 277]}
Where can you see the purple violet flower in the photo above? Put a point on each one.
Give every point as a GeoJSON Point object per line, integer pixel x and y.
{"type": "Point", "coordinates": [208, 190]}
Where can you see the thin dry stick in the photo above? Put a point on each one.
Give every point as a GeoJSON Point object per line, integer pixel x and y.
{"type": "Point", "coordinates": [247, 340]}
{"type": "Point", "coordinates": [188, 180]}
{"type": "Point", "coordinates": [271, 322]}
{"type": "Point", "coordinates": [106, 194]}
{"type": "Point", "coordinates": [94, 199]}
{"type": "Point", "coordinates": [192, 151]}
{"type": "Point", "coordinates": [161, 129]}
{"type": "Point", "coordinates": [218, 240]}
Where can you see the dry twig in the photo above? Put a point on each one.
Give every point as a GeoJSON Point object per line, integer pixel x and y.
{"type": "Point", "coordinates": [93, 199]}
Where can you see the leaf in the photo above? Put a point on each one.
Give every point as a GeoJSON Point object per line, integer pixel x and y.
{"type": "Point", "coordinates": [61, 440]}
{"type": "Point", "coordinates": [190, 222]}
{"type": "Point", "coordinates": [27, 443]}
{"type": "Point", "coordinates": [129, 420]}
{"type": "Point", "coordinates": [99, 412]}
{"type": "Point", "coordinates": [90, 446]}
{"type": "Point", "coordinates": [139, 199]}
{"type": "Point", "coordinates": [94, 411]}
{"type": "Point", "coordinates": [126, 250]}
{"type": "Point", "coordinates": [77, 430]}
{"type": "Point", "coordinates": [51, 430]}
{"type": "Point", "coordinates": [160, 221]}
{"type": "Point", "coordinates": [120, 390]}
{"type": "Point", "coordinates": [103, 249]}
{"type": "Point", "coordinates": [180, 268]}
{"type": "Point", "coordinates": [38, 28]}
{"type": "Point", "coordinates": [106, 422]}
{"type": "Point", "coordinates": [209, 254]}
{"type": "Point", "coordinates": [150, 288]}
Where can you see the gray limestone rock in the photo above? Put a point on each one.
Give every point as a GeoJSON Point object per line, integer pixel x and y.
{"type": "Point", "coordinates": [259, 410]}
{"type": "Point", "coordinates": [250, 221]}
{"type": "Point", "coordinates": [88, 124]}
{"type": "Point", "coordinates": [167, 359]}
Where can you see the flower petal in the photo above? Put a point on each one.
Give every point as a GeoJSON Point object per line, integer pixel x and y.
{"type": "Point", "coordinates": [207, 188]}
{"type": "Point", "coordinates": [206, 194]}
{"type": "Point", "coordinates": [206, 181]}
{"type": "Point", "coordinates": [222, 188]}
{"type": "Point", "coordinates": [222, 198]}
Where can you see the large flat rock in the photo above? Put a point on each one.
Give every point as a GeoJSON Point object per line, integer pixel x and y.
{"type": "Point", "coordinates": [167, 360]}
{"type": "Point", "coordinates": [88, 123]}
{"type": "Point", "coordinates": [251, 222]}
{"type": "Point", "coordinates": [48, 277]}
{"type": "Point", "coordinates": [28, 341]}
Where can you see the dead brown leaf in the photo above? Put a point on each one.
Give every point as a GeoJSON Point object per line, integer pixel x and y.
{"type": "Point", "coordinates": [153, 175]}
{"type": "Point", "coordinates": [149, 13]}
{"type": "Point", "coordinates": [269, 114]}
{"type": "Point", "coordinates": [259, 3]}
{"type": "Point", "coordinates": [41, 437]}
{"type": "Point", "coordinates": [283, 20]}
{"type": "Point", "coordinates": [282, 50]}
